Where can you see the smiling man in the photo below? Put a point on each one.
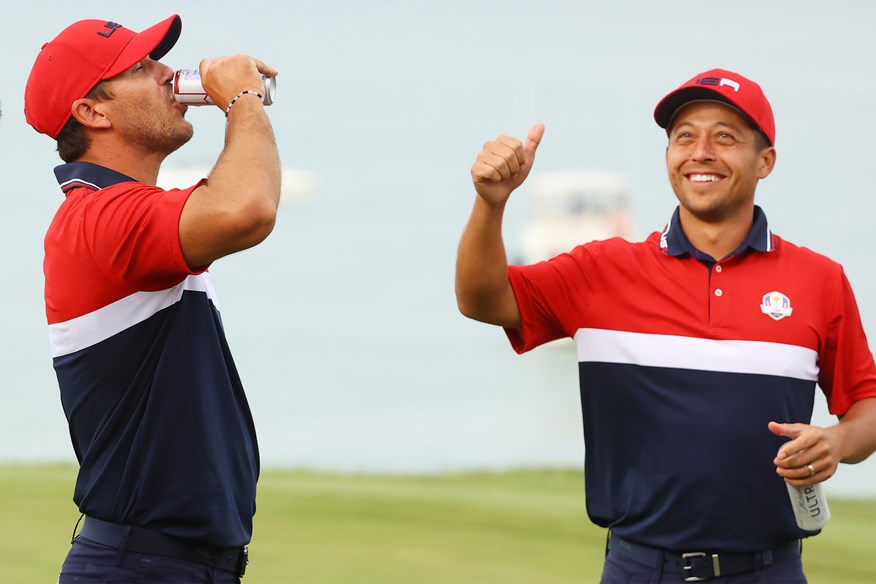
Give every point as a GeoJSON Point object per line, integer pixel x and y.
{"type": "Point", "coordinates": [699, 349]}
{"type": "Point", "coordinates": [157, 413]}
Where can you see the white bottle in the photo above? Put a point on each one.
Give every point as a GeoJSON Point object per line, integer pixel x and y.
{"type": "Point", "coordinates": [810, 506]}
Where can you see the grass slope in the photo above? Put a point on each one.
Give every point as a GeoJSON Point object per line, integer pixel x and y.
{"type": "Point", "coordinates": [520, 526]}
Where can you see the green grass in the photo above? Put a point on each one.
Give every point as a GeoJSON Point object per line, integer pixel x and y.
{"type": "Point", "coordinates": [521, 526]}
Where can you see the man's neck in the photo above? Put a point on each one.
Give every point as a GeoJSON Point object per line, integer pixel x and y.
{"type": "Point", "coordinates": [718, 239]}
{"type": "Point", "coordinates": [143, 168]}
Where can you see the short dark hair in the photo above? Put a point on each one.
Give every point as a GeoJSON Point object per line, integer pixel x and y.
{"type": "Point", "coordinates": [760, 140]}
{"type": "Point", "coordinates": [72, 141]}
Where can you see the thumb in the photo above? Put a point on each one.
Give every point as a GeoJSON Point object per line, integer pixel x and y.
{"type": "Point", "coordinates": [787, 430]}
{"type": "Point", "coordinates": [792, 431]}
{"type": "Point", "coordinates": [533, 139]}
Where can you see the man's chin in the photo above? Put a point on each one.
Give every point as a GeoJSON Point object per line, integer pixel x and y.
{"type": "Point", "coordinates": [181, 140]}
{"type": "Point", "coordinates": [704, 211]}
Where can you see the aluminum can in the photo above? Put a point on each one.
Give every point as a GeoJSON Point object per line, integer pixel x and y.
{"type": "Point", "coordinates": [187, 88]}
{"type": "Point", "coordinates": [810, 506]}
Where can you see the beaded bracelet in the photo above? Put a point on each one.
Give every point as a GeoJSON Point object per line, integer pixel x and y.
{"type": "Point", "coordinates": [241, 94]}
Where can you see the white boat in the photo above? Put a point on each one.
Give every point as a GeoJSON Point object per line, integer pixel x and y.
{"type": "Point", "coordinates": [296, 184]}
{"type": "Point", "coordinates": [573, 207]}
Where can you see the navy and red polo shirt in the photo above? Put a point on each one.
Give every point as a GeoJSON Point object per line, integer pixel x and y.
{"type": "Point", "coordinates": [683, 361]}
{"type": "Point", "coordinates": [157, 413]}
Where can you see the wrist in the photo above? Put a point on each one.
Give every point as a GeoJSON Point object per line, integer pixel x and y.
{"type": "Point", "coordinates": [243, 94]}
{"type": "Point", "coordinates": [491, 203]}
{"type": "Point", "coordinates": [487, 211]}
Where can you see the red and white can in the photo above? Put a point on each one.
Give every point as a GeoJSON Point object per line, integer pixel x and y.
{"type": "Point", "coordinates": [187, 88]}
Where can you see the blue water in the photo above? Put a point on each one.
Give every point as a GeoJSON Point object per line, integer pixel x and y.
{"type": "Point", "coordinates": [344, 322]}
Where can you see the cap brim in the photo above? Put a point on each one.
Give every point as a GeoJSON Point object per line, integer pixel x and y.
{"type": "Point", "coordinates": [665, 111]}
{"type": "Point", "coordinates": [154, 42]}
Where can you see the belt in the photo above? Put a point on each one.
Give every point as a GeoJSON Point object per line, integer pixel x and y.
{"type": "Point", "coordinates": [699, 566]}
{"type": "Point", "coordinates": [148, 541]}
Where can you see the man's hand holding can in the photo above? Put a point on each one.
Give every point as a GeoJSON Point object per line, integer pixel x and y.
{"type": "Point", "coordinates": [221, 79]}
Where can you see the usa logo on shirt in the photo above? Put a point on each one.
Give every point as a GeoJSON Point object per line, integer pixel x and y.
{"type": "Point", "coordinates": [776, 305]}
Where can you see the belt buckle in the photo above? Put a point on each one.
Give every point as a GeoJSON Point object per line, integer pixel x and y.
{"type": "Point", "coordinates": [243, 562]}
{"type": "Point", "coordinates": [687, 566]}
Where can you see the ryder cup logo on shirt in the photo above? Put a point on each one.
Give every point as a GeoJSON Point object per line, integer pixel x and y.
{"type": "Point", "coordinates": [776, 305]}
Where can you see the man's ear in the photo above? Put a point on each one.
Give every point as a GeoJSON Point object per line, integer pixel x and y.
{"type": "Point", "coordinates": [767, 162]}
{"type": "Point", "coordinates": [90, 113]}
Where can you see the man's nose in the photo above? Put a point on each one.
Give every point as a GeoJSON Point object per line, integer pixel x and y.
{"type": "Point", "coordinates": [703, 149]}
{"type": "Point", "coordinates": [163, 73]}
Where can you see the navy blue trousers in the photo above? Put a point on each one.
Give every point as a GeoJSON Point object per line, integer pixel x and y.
{"type": "Point", "coordinates": [89, 562]}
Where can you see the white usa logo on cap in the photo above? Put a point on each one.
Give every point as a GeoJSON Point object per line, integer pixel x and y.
{"type": "Point", "coordinates": [776, 305]}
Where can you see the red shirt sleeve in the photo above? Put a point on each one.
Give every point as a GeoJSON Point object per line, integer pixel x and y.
{"type": "Point", "coordinates": [847, 373]}
{"type": "Point", "coordinates": [107, 244]}
{"type": "Point", "coordinates": [549, 294]}
{"type": "Point", "coordinates": [132, 230]}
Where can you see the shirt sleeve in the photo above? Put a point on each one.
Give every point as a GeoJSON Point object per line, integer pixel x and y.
{"type": "Point", "coordinates": [549, 296]}
{"type": "Point", "coordinates": [132, 230]}
{"type": "Point", "coordinates": [847, 372]}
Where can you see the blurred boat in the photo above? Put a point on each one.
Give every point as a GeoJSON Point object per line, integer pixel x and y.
{"type": "Point", "coordinates": [296, 184]}
{"type": "Point", "coordinates": [573, 207]}
{"type": "Point", "coordinates": [570, 208]}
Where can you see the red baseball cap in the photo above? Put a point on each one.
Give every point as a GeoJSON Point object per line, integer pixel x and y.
{"type": "Point", "coordinates": [723, 86]}
{"type": "Point", "coordinates": [83, 55]}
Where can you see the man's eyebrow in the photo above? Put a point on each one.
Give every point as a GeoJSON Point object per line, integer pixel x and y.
{"type": "Point", "coordinates": [729, 125]}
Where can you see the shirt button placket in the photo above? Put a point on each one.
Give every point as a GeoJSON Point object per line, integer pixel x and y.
{"type": "Point", "coordinates": [718, 313]}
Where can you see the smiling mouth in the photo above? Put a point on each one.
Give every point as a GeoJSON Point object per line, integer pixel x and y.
{"type": "Point", "coordinates": [704, 178]}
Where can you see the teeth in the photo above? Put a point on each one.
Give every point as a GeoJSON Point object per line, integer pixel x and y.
{"type": "Point", "coordinates": [704, 178]}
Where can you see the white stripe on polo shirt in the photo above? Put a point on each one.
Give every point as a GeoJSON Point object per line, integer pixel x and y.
{"type": "Point", "coordinates": [92, 328]}
{"type": "Point", "coordinates": [67, 183]}
{"type": "Point", "coordinates": [677, 352]}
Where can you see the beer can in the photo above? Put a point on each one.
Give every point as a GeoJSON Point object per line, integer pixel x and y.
{"type": "Point", "coordinates": [810, 506]}
{"type": "Point", "coordinates": [187, 88]}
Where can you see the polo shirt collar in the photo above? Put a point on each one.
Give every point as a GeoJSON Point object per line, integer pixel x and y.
{"type": "Point", "coordinates": [87, 175]}
{"type": "Point", "coordinates": [674, 242]}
